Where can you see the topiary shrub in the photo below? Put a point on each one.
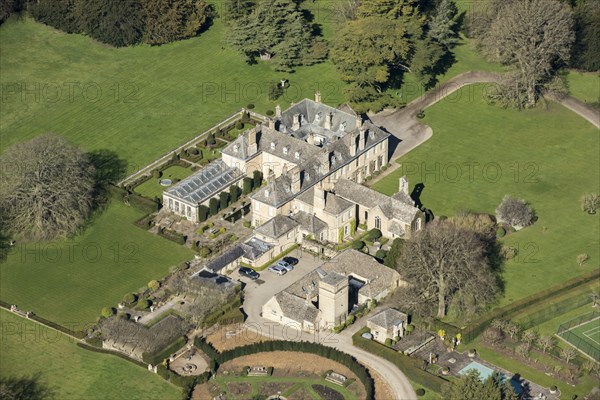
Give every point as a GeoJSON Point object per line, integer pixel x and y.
{"type": "Point", "coordinates": [388, 342]}
{"type": "Point", "coordinates": [420, 392]}
{"type": "Point", "coordinates": [129, 298]}
{"type": "Point", "coordinates": [144, 304]}
{"type": "Point", "coordinates": [373, 235]}
{"type": "Point", "coordinates": [157, 174]}
{"type": "Point", "coordinates": [500, 232]}
{"type": "Point", "coordinates": [239, 125]}
{"type": "Point", "coordinates": [107, 312]}
{"type": "Point", "coordinates": [409, 328]}
{"type": "Point", "coordinates": [250, 106]}
{"type": "Point", "coordinates": [357, 244]}
{"type": "Point", "coordinates": [204, 252]}
{"type": "Point", "coordinates": [247, 224]}
{"type": "Point", "coordinates": [380, 254]}
{"type": "Point", "coordinates": [153, 284]}
{"type": "Point", "coordinates": [270, 113]}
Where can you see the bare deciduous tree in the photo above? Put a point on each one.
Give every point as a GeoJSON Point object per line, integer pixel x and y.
{"type": "Point", "coordinates": [528, 337]}
{"type": "Point", "coordinates": [512, 329]}
{"type": "Point", "coordinates": [523, 349]}
{"type": "Point", "coordinates": [545, 343]}
{"type": "Point", "coordinates": [514, 212]}
{"type": "Point", "coordinates": [581, 259]}
{"type": "Point", "coordinates": [568, 354]}
{"type": "Point", "coordinates": [590, 202]}
{"type": "Point", "coordinates": [534, 37]}
{"type": "Point", "coordinates": [46, 188]}
{"type": "Point", "coordinates": [444, 261]}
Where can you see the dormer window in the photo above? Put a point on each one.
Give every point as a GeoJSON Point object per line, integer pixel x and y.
{"type": "Point", "coordinates": [267, 193]}
{"type": "Point", "coordinates": [286, 149]}
{"type": "Point", "coordinates": [302, 119]}
{"type": "Point", "coordinates": [318, 116]}
{"type": "Point", "coordinates": [297, 155]}
{"type": "Point", "coordinates": [273, 145]}
{"type": "Point", "coordinates": [236, 148]}
{"type": "Point", "coordinates": [343, 126]}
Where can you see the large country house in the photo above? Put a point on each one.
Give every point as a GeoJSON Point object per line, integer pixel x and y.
{"type": "Point", "coordinates": [314, 158]}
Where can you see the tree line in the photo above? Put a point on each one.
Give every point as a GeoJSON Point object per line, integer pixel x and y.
{"type": "Point", "coordinates": [116, 22]}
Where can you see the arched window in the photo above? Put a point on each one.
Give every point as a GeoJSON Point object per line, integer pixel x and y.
{"type": "Point", "coordinates": [377, 223]}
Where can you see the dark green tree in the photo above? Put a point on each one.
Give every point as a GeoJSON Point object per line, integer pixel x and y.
{"type": "Point", "coordinates": [202, 213]}
{"type": "Point", "coordinates": [223, 200]}
{"type": "Point", "coordinates": [257, 177]}
{"type": "Point", "coordinates": [427, 54]}
{"type": "Point", "coordinates": [170, 20]}
{"type": "Point", "coordinates": [443, 25]}
{"type": "Point", "coordinates": [586, 48]}
{"type": "Point", "coordinates": [247, 185]}
{"type": "Point", "coordinates": [394, 253]}
{"type": "Point", "coordinates": [60, 14]}
{"type": "Point", "coordinates": [115, 22]}
{"type": "Point", "coordinates": [234, 193]}
{"type": "Point", "coordinates": [235, 10]}
{"type": "Point", "coordinates": [213, 205]}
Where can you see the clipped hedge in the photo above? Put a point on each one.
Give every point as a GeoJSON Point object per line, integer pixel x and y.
{"type": "Point", "coordinates": [173, 236]}
{"type": "Point", "coordinates": [114, 353]}
{"type": "Point", "coordinates": [159, 356]}
{"type": "Point", "coordinates": [44, 321]}
{"type": "Point", "coordinates": [410, 366]}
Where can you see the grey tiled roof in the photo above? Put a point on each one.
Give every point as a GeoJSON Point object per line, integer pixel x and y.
{"type": "Point", "coordinates": [388, 318]}
{"type": "Point", "coordinates": [391, 207]}
{"type": "Point", "coordinates": [205, 183]}
{"type": "Point", "coordinates": [349, 263]}
{"type": "Point", "coordinates": [309, 222]}
{"type": "Point", "coordinates": [254, 248]}
{"type": "Point", "coordinates": [277, 226]}
{"type": "Point", "coordinates": [225, 259]}
{"type": "Point", "coordinates": [296, 308]}
{"type": "Point", "coordinates": [333, 204]}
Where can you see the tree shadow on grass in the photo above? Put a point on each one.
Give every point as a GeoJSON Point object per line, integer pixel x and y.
{"type": "Point", "coordinates": [30, 388]}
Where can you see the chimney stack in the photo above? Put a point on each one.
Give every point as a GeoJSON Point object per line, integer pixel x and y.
{"type": "Point", "coordinates": [362, 139]}
{"type": "Point", "coordinates": [277, 111]}
{"type": "Point", "coordinates": [328, 121]}
{"type": "Point", "coordinates": [354, 136]}
{"type": "Point", "coordinates": [359, 121]}
{"type": "Point", "coordinates": [319, 198]}
{"type": "Point", "coordinates": [403, 185]}
{"type": "Point", "coordinates": [295, 179]}
{"type": "Point", "coordinates": [296, 122]}
{"type": "Point", "coordinates": [252, 144]}
{"type": "Point", "coordinates": [317, 97]}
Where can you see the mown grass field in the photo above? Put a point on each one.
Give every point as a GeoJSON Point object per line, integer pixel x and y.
{"type": "Point", "coordinates": [548, 156]}
{"type": "Point", "coordinates": [141, 101]}
{"type": "Point", "coordinates": [69, 282]}
{"type": "Point", "coordinates": [152, 187]}
{"type": "Point", "coordinates": [585, 86]}
{"type": "Point", "coordinates": [72, 372]}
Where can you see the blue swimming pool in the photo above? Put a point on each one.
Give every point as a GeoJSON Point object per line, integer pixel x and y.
{"type": "Point", "coordinates": [484, 372]}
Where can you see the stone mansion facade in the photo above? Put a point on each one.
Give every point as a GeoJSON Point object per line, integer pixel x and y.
{"type": "Point", "coordinates": [314, 158]}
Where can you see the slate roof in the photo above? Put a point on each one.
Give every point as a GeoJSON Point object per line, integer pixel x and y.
{"type": "Point", "coordinates": [297, 308]}
{"type": "Point", "coordinates": [388, 318]}
{"type": "Point", "coordinates": [225, 259]}
{"type": "Point", "coordinates": [308, 222]}
{"type": "Point", "coordinates": [254, 248]}
{"type": "Point", "coordinates": [333, 204]}
{"type": "Point", "coordinates": [204, 183]}
{"type": "Point", "coordinates": [392, 208]}
{"type": "Point", "coordinates": [277, 226]}
{"type": "Point", "coordinates": [353, 263]}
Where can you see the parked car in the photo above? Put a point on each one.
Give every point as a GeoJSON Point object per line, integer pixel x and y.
{"type": "Point", "coordinates": [290, 260]}
{"type": "Point", "coordinates": [278, 269]}
{"type": "Point", "coordinates": [283, 264]}
{"type": "Point", "coordinates": [249, 272]}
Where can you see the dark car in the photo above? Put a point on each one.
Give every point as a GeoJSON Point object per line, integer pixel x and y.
{"type": "Point", "coordinates": [249, 272]}
{"type": "Point", "coordinates": [290, 260]}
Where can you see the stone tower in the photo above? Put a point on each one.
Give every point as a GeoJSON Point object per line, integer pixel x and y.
{"type": "Point", "coordinates": [333, 300]}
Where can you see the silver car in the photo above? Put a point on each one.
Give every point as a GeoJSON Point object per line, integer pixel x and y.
{"type": "Point", "coordinates": [283, 264]}
{"type": "Point", "coordinates": [279, 270]}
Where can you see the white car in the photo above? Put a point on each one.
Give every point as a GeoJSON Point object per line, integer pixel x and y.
{"type": "Point", "coordinates": [277, 269]}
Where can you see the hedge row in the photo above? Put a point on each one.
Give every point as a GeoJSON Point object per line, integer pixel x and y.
{"type": "Point", "coordinates": [139, 202]}
{"type": "Point", "coordinates": [76, 334]}
{"type": "Point", "coordinates": [282, 345]}
{"type": "Point", "coordinates": [410, 366]}
{"type": "Point", "coordinates": [173, 236]}
{"type": "Point", "coordinates": [476, 328]}
{"type": "Point", "coordinates": [186, 382]}
{"type": "Point", "coordinates": [114, 353]}
{"type": "Point", "coordinates": [218, 315]}
{"type": "Point", "coordinates": [160, 355]}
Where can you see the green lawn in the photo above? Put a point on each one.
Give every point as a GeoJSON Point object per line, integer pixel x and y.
{"type": "Point", "coordinates": [74, 373]}
{"type": "Point", "coordinates": [548, 156]}
{"type": "Point", "coordinates": [139, 101]}
{"type": "Point", "coordinates": [69, 282]}
{"type": "Point", "coordinates": [152, 187]}
{"type": "Point", "coordinates": [585, 86]}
